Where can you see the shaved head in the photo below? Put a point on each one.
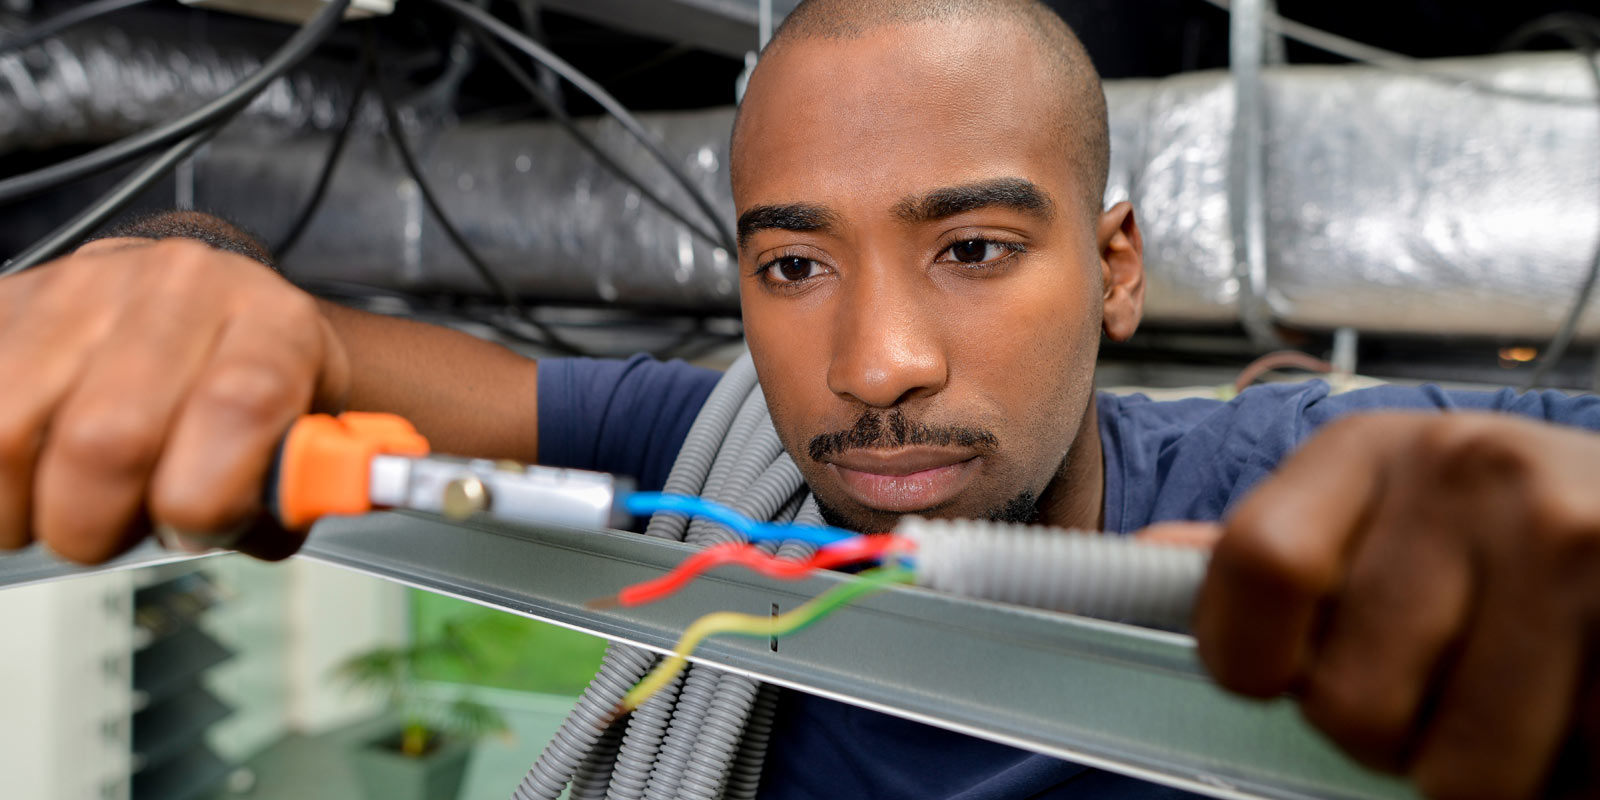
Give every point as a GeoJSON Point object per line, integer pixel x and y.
{"type": "Point", "coordinates": [1074, 90]}
{"type": "Point", "coordinates": [926, 261]}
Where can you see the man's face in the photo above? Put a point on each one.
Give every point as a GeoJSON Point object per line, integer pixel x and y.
{"type": "Point", "coordinates": [921, 283]}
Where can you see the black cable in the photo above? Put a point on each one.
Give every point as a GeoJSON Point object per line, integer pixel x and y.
{"type": "Point", "coordinates": [300, 45]}
{"type": "Point", "coordinates": [1582, 33]}
{"type": "Point", "coordinates": [329, 164]}
{"type": "Point", "coordinates": [402, 147]}
{"type": "Point", "coordinates": [538, 52]}
{"type": "Point", "coordinates": [44, 29]}
{"type": "Point", "coordinates": [75, 230]}
{"type": "Point", "coordinates": [567, 124]}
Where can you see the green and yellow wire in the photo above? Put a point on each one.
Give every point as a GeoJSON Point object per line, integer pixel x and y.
{"type": "Point", "coordinates": [729, 622]}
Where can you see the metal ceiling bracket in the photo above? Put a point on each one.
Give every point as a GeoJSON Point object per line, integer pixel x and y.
{"type": "Point", "coordinates": [1247, 184]}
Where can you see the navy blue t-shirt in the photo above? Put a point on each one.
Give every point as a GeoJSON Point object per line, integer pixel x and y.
{"type": "Point", "coordinates": [1181, 460]}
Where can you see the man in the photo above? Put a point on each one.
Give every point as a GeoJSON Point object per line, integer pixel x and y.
{"type": "Point", "coordinates": [927, 268]}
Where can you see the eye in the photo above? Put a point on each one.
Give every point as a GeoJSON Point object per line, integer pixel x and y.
{"type": "Point", "coordinates": [791, 269]}
{"type": "Point", "coordinates": [978, 251]}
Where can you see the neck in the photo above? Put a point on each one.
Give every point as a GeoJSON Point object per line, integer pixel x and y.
{"type": "Point", "coordinates": [1075, 498]}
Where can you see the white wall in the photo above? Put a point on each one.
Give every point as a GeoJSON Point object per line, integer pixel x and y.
{"type": "Point", "coordinates": [66, 688]}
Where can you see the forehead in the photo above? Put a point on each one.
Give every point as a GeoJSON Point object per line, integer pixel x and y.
{"type": "Point", "coordinates": [864, 122]}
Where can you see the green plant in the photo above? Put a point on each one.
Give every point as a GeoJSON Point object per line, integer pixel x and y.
{"type": "Point", "coordinates": [515, 653]}
{"type": "Point", "coordinates": [393, 673]}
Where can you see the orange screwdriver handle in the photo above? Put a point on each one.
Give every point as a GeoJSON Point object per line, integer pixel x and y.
{"type": "Point", "coordinates": [324, 466]}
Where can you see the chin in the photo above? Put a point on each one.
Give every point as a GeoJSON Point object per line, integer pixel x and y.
{"type": "Point", "coordinates": [1021, 509]}
{"type": "Point", "coordinates": [859, 520]}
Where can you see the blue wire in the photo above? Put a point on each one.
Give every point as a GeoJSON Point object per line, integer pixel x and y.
{"type": "Point", "coordinates": [652, 502]}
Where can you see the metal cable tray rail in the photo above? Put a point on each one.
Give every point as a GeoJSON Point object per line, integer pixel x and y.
{"type": "Point", "coordinates": [1126, 699]}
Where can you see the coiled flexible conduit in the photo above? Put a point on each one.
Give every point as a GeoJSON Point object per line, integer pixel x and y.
{"type": "Point", "coordinates": [705, 735]}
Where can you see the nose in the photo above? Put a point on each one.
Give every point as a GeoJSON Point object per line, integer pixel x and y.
{"type": "Point", "coordinates": [888, 346]}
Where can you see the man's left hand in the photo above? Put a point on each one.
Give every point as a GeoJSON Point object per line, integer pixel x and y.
{"type": "Point", "coordinates": [1428, 587]}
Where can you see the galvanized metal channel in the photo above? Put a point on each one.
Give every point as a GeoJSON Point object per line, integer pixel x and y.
{"type": "Point", "coordinates": [1126, 699]}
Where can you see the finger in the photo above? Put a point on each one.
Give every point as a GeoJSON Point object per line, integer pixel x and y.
{"type": "Point", "coordinates": [1507, 703]}
{"type": "Point", "coordinates": [1283, 553]}
{"type": "Point", "coordinates": [46, 346]}
{"type": "Point", "coordinates": [1406, 600]}
{"type": "Point", "coordinates": [108, 432]}
{"type": "Point", "coordinates": [1198, 535]}
{"type": "Point", "coordinates": [260, 377]}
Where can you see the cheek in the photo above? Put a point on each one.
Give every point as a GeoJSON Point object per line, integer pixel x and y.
{"type": "Point", "coordinates": [1036, 354]}
{"type": "Point", "coordinates": [1037, 335]}
{"type": "Point", "coordinates": [789, 350]}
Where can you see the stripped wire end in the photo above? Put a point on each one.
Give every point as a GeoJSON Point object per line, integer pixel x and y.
{"type": "Point", "coordinates": [604, 603]}
{"type": "Point", "coordinates": [728, 622]}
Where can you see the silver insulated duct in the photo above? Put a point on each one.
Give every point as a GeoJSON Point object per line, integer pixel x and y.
{"type": "Point", "coordinates": [1396, 204]}
{"type": "Point", "coordinates": [99, 82]}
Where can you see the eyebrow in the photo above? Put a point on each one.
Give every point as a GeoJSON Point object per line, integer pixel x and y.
{"type": "Point", "coordinates": [793, 217]}
{"type": "Point", "coordinates": [1017, 194]}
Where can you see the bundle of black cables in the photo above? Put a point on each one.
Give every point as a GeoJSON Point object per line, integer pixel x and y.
{"type": "Point", "coordinates": [189, 132]}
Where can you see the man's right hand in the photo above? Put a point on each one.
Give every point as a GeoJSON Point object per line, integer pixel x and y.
{"type": "Point", "coordinates": [150, 382]}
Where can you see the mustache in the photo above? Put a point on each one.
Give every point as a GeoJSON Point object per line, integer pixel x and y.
{"type": "Point", "coordinates": [876, 430]}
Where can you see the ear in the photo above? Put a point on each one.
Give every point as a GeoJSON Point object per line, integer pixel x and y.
{"type": "Point", "coordinates": [1121, 271]}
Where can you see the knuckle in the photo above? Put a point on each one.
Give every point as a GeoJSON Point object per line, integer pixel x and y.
{"type": "Point", "coordinates": [1469, 452]}
{"type": "Point", "coordinates": [122, 440]}
{"type": "Point", "coordinates": [297, 306]}
{"type": "Point", "coordinates": [253, 392]}
{"type": "Point", "coordinates": [1261, 546]}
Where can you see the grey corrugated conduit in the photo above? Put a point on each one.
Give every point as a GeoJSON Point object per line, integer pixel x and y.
{"type": "Point", "coordinates": [646, 729]}
{"type": "Point", "coordinates": [711, 759]}
{"type": "Point", "coordinates": [699, 689]}
{"type": "Point", "coordinates": [708, 728]}
{"type": "Point", "coordinates": [585, 725]}
{"type": "Point", "coordinates": [706, 735]}
{"type": "Point", "coordinates": [593, 775]}
{"type": "Point", "coordinates": [744, 778]}
{"type": "Point", "coordinates": [1107, 577]}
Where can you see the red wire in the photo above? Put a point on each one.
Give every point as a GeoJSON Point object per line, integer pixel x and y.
{"type": "Point", "coordinates": [849, 551]}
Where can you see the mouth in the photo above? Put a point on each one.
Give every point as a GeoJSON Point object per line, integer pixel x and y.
{"type": "Point", "coordinates": [904, 480]}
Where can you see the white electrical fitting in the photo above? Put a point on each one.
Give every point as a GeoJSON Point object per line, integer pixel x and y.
{"type": "Point", "coordinates": [297, 11]}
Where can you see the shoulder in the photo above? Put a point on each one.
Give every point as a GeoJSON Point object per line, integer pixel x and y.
{"type": "Point", "coordinates": [1193, 458]}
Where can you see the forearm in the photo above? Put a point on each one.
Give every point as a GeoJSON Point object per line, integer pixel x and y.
{"type": "Point", "coordinates": [468, 396]}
